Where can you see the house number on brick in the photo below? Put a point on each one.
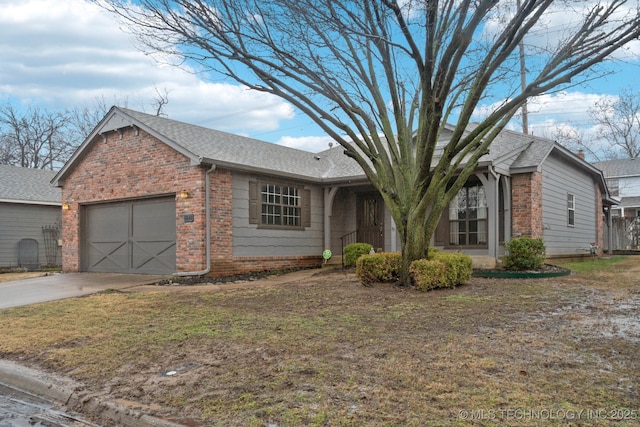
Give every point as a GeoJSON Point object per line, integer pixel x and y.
{"type": "Point", "coordinates": [188, 218]}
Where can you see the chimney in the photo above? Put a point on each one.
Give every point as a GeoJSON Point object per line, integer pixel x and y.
{"type": "Point", "coordinates": [580, 153]}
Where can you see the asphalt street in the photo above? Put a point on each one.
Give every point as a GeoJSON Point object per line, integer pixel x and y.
{"type": "Point", "coordinates": [18, 409]}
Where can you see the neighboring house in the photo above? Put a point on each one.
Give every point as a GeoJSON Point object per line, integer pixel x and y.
{"type": "Point", "coordinates": [623, 180]}
{"type": "Point", "coordinates": [29, 218]}
{"type": "Point", "coordinates": [151, 195]}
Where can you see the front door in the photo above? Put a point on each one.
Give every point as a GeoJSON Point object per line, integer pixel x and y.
{"type": "Point", "coordinates": [370, 211]}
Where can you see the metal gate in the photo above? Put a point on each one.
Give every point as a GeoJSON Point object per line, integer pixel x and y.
{"type": "Point", "coordinates": [131, 237]}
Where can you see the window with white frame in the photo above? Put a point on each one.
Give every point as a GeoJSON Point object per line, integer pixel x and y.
{"type": "Point", "coordinates": [279, 205]}
{"type": "Point", "coordinates": [571, 210]}
{"type": "Point", "coordinates": [468, 217]}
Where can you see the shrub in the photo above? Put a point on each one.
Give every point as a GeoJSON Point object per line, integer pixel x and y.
{"type": "Point", "coordinates": [441, 270]}
{"type": "Point", "coordinates": [459, 267]}
{"type": "Point", "coordinates": [353, 251]}
{"type": "Point", "coordinates": [428, 274]}
{"type": "Point", "coordinates": [382, 267]}
{"type": "Point", "coordinates": [432, 252]}
{"type": "Point", "coordinates": [525, 253]}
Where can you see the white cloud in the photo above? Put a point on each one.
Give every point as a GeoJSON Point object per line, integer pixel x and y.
{"type": "Point", "coordinates": [314, 144]}
{"type": "Point", "coordinates": [562, 106]}
{"type": "Point", "coordinates": [68, 53]}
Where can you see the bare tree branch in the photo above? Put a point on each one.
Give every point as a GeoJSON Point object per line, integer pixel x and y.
{"type": "Point", "coordinates": [383, 77]}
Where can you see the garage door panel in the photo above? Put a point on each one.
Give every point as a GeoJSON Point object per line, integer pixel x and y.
{"type": "Point", "coordinates": [107, 223]}
{"type": "Point", "coordinates": [131, 237]}
{"type": "Point", "coordinates": [107, 256]}
{"type": "Point", "coordinates": [154, 256]}
{"type": "Point", "coordinates": [154, 221]}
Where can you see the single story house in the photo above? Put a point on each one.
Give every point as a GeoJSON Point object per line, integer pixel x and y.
{"type": "Point", "coordinates": [623, 181]}
{"type": "Point", "coordinates": [30, 218]}
{"type": "Point", "coordinates": [147, 194]}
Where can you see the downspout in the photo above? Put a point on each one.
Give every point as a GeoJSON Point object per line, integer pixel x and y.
{"type": "Point", "coordinates": [207, 209]}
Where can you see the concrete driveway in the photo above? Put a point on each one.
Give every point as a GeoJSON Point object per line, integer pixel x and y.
{"type": "Point", "coordinates": [67, 285]}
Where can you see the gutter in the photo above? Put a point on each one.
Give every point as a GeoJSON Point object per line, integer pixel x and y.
{"type": "Point", "coordinates": [207, 201]}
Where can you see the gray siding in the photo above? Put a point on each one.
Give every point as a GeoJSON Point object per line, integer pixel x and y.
{"type": "Point", "coordinates": [558, 180]}
{"type": "Point", "coordinates": [23, 221]}
{"type": "Point", "coordinates": [251, 241]}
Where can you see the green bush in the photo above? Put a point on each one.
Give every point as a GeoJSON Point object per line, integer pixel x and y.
{"type": "Point", "coordinates": [382, 267]}
{"type": "Point", "coordinates": [459, 267]}
{"type": "Point", "coordinates": [432, 252]}
{"type": "Point", "coordinates": [353, 251]}
{"type": "Point", "coordinates": [525, 253]}
{"type": "Point", "coordinates": [441, 270]}
{"type": "Point", "coordinates": [428, 274]}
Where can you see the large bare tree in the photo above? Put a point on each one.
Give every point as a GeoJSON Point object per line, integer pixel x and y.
{"type": "Point", "coordinates": [34, 138]}
{"type": "Point", "coordinates": [618, 121]}
{"type": "Point", "coordinates": [384, 77]}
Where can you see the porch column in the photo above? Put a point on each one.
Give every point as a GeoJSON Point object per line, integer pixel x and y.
{"type": "Point", "coordinates": [506, 191]}
{"type": "Point", "coordinates": [490, 184]}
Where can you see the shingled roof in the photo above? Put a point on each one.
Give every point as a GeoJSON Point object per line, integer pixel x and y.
{"type": "Point", "coordinates": [207, 146]}
{"type": "Point", "coordinates": [511, 151]}
{"type": "Point", "coordinates": [29, 186]}
{"type": "Point", "coordinates": [619, 168]}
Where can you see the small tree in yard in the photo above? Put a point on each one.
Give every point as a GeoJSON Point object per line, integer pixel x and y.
{"type": "Point", "coordinates": [384, 77]}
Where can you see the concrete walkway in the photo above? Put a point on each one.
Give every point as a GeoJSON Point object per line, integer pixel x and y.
{"type": "Point", "coordinates": [67, 285]}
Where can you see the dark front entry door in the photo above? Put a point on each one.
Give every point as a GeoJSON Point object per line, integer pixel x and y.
{"type": "Point", "coordinates": [370, 211]}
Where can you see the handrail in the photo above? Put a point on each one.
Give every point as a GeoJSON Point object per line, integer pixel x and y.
{"type": "Point", "coordinates": [349, 238]}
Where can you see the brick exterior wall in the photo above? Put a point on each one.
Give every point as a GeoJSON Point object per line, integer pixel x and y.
{"type": "Point", "coordinates": [526, 205]}
{"type": "Point", "coordinates": [129, 165]}
{"type": "Point", "coordinates": [133, 164]}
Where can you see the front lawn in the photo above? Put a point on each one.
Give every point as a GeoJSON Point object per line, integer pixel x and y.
{"type": "Point", "coordinates": [330, 351]}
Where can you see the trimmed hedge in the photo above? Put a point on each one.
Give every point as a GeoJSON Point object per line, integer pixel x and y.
{"type": "Point", "coordinates": [525, 253]}
{"type": "Point", "coordinates": [353, 251]}
{"type": "Point", "coordinates": [460, 268]}
{"type": "Point", "coordinates": [428, 274]}
{"type": "Point", "coordinates": [382, 267]}
{"type": "Point", "coordinates": [441, 270]}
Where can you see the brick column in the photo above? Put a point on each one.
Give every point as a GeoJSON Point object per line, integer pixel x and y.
{"type": "Point", "coordinates": [221, 223]}
{"type": "Point", "coordinates": [526, 205]}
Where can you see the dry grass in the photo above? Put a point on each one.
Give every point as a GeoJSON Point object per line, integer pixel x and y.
{"type": "Point", "coordinates": [9, 277]}
{"type": "Point", "coordinates": [332, 352]}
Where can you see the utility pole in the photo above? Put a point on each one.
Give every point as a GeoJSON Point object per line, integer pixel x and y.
{"type": "Point", "coordinates": [523, 82]}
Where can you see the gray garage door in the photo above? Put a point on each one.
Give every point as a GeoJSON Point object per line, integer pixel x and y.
{"type": "Point", "coordinates": [131, 237]}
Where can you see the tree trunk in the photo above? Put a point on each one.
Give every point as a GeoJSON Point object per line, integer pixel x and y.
{"type": "Point", "coordinates": [415, 244]}
{"type": "Point", "coordinates": [416, 235]}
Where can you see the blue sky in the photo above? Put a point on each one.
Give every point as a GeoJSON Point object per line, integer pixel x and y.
{"type": "Point", "coordinates": [67, 53]}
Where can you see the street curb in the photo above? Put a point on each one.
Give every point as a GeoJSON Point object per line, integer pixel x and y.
{"type": "Point", "coordinates": [62, 391]}
{"type": "Point", "coordinates": [35, 382]}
